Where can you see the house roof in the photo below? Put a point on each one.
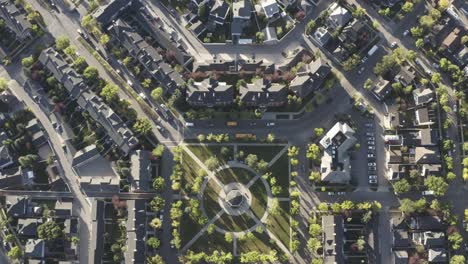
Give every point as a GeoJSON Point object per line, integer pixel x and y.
{"type": "Point", "coordinates": [5, 156]}
{"type": "Point", "coordinates": [34, 248]}
{"type": "Point", "coordinates": [210, 92]}
{"type": "Point", "coordinates": [339, 15]}
{"type": "Point", "coordinates": [322, 35]}
{"type": "Point", "coordinates": [241, 9]}
{"type": "Point", "coordinates": [104, 14]}
{"type": "Point", "coordinates": [428, 137]}
{"type": "Point", "coordinates": [15, 19]}
{"type": "Point", "coordinates": [63, 208]}
{"type": "Point", "coordinates": [270, 8]}
{"type": "Point", "coordinates": [400, 257]}
{"type": "Point", "coordinates": [97, 230]}
{"type": "Point", "coordinates": [17, 206]}
{"type": "Point", "coordinates": [381, 88]}
{"type": "Point", "coordinates": [400, 239]}
{"type": "Point", "coordinates": [427, 155]}
{"type": "Point", "coordinates": [452, 40]}
{"type": "Point", "coordinates": [27, 227]}
{"type": "Point", "coordinates": [141, 170]}
{"type": "Point", "coordinates": [422, 116]}
{"type": "Point", "coordinates": [333, 239]}
{"type": "Point", "coordinates": [136, 232]}
{"type": "Point", "coordinates": [437, 255]}
{"type": "Point", "coordinates": [263, 93]}
{"type": "Point", "coordinates": [423, 95]}
{"type": "Point", "coordinates": [406, 75]}
{"type": "Point", "coordinates": [335, 165]}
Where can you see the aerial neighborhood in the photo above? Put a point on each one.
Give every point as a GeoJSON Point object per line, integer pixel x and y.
{"type": "Point", "coordinates": [240, 131]}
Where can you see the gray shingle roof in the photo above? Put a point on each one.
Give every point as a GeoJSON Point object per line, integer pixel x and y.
{"type": "Point", "coordinates": [15, 19]}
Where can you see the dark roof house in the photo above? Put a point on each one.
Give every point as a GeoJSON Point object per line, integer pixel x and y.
{"type": "Point", "coordinates": [210, 92]}
{"type": "Point", "coordinates": [263, 93]}
{"type": "Point", "coordinates": [311, 79]}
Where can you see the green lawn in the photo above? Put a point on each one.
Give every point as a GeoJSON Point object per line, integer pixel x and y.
{"type": "Point", "coordinates": [235, 223]}
{"type": "Point", "coordinates": [267, 152]}
{"type": "Point", "coordinates": [261, 242]}
{"type": "Point", "coordinates": [279, 224]}
{"type": "Point", "coordinates": [259, 198]}
{"type": "Point", "coordinates": [190, 169]}
{"type": "Point", "coordinates": [280, 170]}
{"type": "Point", "coordinates": [235, 175]}
{"type": "Point", "coordinates": [209, 243]}
{"type": "Point", "coordinates": [189, 229]}
{"type": "Point", "coordinates": [210, 199]}
{"type": "Point", "coordinates": [204, 152]}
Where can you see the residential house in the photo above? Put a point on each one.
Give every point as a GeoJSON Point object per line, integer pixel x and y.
{"type": "Point", "coordinates": [18, 206]}
{"type": "Point", "coordinates": [15, 20]}
{"type": "Point", "coordinates": [270, 36]}
{"type": "Point", "coordinates": [400, 257]}
{"type": "Point", "coordinates": [218, 14]}
{"type": "Point", "coordinates": [394, 155]}
{"type": "Point", "coordinates": [405, 76]}
{"type": "Point", "coordinates": [63, 208]}
{"type": "Point", "coordinates": [335, 165]}
{"type": "Point", "coordinates": [422, 117]}
{"type": "Point", "coordinates": [400, 239]}
{"type": "Point", "coordinates": [210, 93]}
{"type": "Point", "coordinates": [322, 36]}
{"type": "Point", "coordinates": [311, 78]}
{"type": "Point", "coordinates": [263, 93]}
{"type": "Point", "coordinates": [354, 33]}
{"type": "Point", "coordinates": [427, 155]}
{"type": "Point", "coordinates": [35, 249]}
{"type": "Point", "coordinates": [241, 14]}
{"type": "Point", "coordinates": [437, 255]}
{"type": "Point", "coordinates": [431, 169]}
{"type": "Point", "coordinates": [270, 9]}
{"type": "Point", "coordinates": [430, 239]}
{"type": "Point", "coordinates": [96, 247]}
{"type": "Point", "coordinates": [423, 96]}
{"type": "Point", "coordinates": [11, 178]}
{"type": "Point", "coordinates": [427, 137]}
{"type": "Point", "coordinates": [141, 171]}
{"type": "Point", "coordinates": [453, 40]}
{"type": "Point", "coordinates": [106, 13]}
{"type": "Point", "coordinates": [462, 56]}
{"type": "Point", "coordinates": [147, 56]}
{"type": "Point", "coordinates": [333, 239]}
{"type": "Point", "coordinates": [339, 16]}
{"type": "Point", "coordinates": [197, 28]}
{"type": "Point", "coordinates": [94, 171]}
{"type": "Point", "coordinates": [396, 172]}
{"type": "Point", "coordinates": [136, 232]}
{"type": "Point", "coordinates": [35, 131]}
{"type": "Point", "coordinates": [233, 67]}
{"type": "Point", "coordinates": [88, 101]}
{"type": "Point", "coordinates": [27, 227]}
{"type": "Point", "coordinates": [381, 88]}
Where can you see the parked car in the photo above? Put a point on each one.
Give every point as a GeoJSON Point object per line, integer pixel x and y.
{"type": "Point", "coordinates": [372, 181]}
{"type": "Point", "coordinates": [406, 33]}
{"type": "Point", "coordinates": [371, 143]}
{"type": "Point", "coordinates": [369, 134]}
{"type": "Point", "coordinates": [361, 70]}
{"type": "Point", "coordinates": [189, 124]}
{"type": "Point", "coordinates": [372, 168]}
{"type": "Point", "coordinates": [369, 125]}
{"type": "Point", "coordinates": [340, 193]}
{"type": "Point", "coordinates": [160, 128]}
{"type": "Point", "coordinates": [370, 138]}
{"type": "Point", "coordinates": [371, 147]}
{"type": "Point", "coordinates": [270, 124]}
{"type": "Point", "coordinates": [253, 123]}
{"type": "Point", "coordinates": [370, 155]}
{"type": "Point", "coordinates": [372, 176]}
{"type": "Point", "coordinates": [331, 193]}
{"type": "Point", "coordinates": [393, 45]}
{"type": "Point", "coordinates": [371, 164]}
{"type": "Point", "coordinates": [428, 193]}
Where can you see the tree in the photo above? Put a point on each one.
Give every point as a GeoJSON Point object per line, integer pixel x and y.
{"type": "Point", "coordinates": [157, 204]}
{"type": "Point", "coordinates": [62, 43]}
{"type": "Point", "coordinates": [457, 259]}
{"type": "Point", "coordinates": [313, 152]}
{"type": "Point", "coordinates": [91, 74]}
{"type": "Point", "coordinates": [319, 131]}
{"type": "Point", "coordinates": [158, 151]}
{"type": "Point", "coordinates": [251, 160]}
{"type": "Point", "coordinates": [360, 243]}
{"type": "Point", "coordinates": [228, 237]}
{"type": "Point", "coordinates": [3, 84]}
{"type": "Point", "coordinates": [368, 84]}
{"type": "Point", "coordinates": [155, 260]}
{"type": "Point", "coordinates": [259, 37]}
{"type": "Point", "coordinates": [359, 12]}
{"type": "Point", "coordinates": [311, 25]}
{"type": "Point", "coordinates": [15, 253]}
{"type": "Point", "coordinates": [75, 240]}
{"type": "Point", "coordinates": [436, 184]}
{"type": "Point", "coordinates": [142, 126]}
{"type": "Point", "coordinates": [27, 62]}
{"type": "Point", "coordinates": [407, 7]}
{"type": "Point", "coordinates": [455, 240]}
{"type": "Point", "coordinates": [419, 43]}
{"type": "Point", "coordinates": [417, 32]}
{"type": "Point", "coordinates": [28, 161]}
{"type": "Point", "coordinates": [427, 21]}
{"type": "Point", "coordinates": [212, 163]}
{"type": "Point", "coordinates": [157, 93]}
{"type": "Point", "coordinates": [50, 230]}
{"type": "Point", "coordinates": [443, 4]}
{"type": "Point", "coordinates": [407, 206]}
{"type": "Point", "coordinates": [436, 78]}
{"type": "Point", "coordinates": [401, 186]}
{"type": "Point", "coordinates": [351, 62]}
{"type": "Point", "coordinates": [156, 223]}
{"type": "Point", "coordinates": [153, 242]}
{"type": "Point", "coordinates": [159, 183]}
{"type": "Point", "coordinates": [70, 51]}
{"type": "Point", "coordinates": [79, 63]}
{"type": "Point", "coordinates": [104, 39]}
{"type": "Point", "coordinates": [270, 137]}
{"type": "Point", "coordinates": [109, 92]}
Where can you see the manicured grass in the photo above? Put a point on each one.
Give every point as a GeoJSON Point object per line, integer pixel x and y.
{"type": "Point", "coordinates": [235, 223]}
{"type": "Point", "coordinates": [204, 152]}
{"type": "Point", "coordinates": [261, 242]}
{"type": "Point", "coordinates": [209, 243]}
{"type": "Point", "coordinates": [267, 152]}
{"type": "Point", "coordinates": [259, 199]}
{"type": "Point", "coordinates": [280, 170]}
{"type": "Point", "coordinates": [279, 224]}
{"type": "Point", "coordinates": [190, 169]}
{"type": "Point", "coordinates": [189, 229]}
{"type": "Point", "coordinates": [210, 199]}
{"type": "Point", "coordinates": [235, 175]}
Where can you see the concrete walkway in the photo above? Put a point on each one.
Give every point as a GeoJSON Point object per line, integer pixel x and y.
{"type": "Point", "coordinates": [200, 233]}
{"type": "Point", "coordinates": [273, 160]}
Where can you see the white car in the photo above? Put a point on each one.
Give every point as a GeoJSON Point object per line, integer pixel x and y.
{"type": "Point", "coordinates": [361, 70]}
{"type": "Point", "coordinates": [373, 181]}
{"type": "Point", "coordinates": [406, 33]}
{"type": "Point", "coordinates": [371, 138]}
{"type": "Point", "coordinates": [369, 134]}
{"type": "Point", "coordinates": [393, 45]}
{"type": "Point", "coordinates": [270, 124]}
{"type": "Point", "coordinates": [371, 143]}
{"type": "Point", "coordinates": [371, 147]}
{"type": "Point", "coordinates": [370, 155]}
{"type": "Point", "coordinates": [371, 164]}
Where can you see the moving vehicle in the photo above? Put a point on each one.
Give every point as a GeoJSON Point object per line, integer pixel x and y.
{"type": "Point", "coordinates": [406, 33]}
{"type": "Point", "coordinates": [270, 124]}
{"type": "Point", "coordinates": [231, 123]}
{"type": "Point", "coordinates": [393, 45]}
{"type": "Point", "coordinates": [189, 124]}
{"type": "Point", "coordinates": [372, 50]}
